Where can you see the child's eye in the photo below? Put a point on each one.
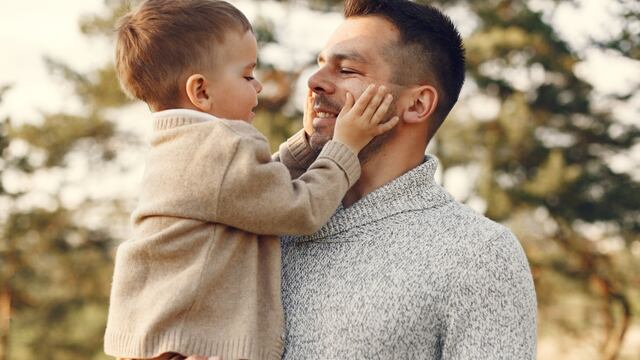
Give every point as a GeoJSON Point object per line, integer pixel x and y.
{"type": "Point", "coordinates": [249, 78]}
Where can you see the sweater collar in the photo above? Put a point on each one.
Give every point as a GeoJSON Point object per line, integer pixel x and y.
{"type": "Point", "coordinates": [414, 190]}
{"type": "Point", "coordinates": [168, 119]}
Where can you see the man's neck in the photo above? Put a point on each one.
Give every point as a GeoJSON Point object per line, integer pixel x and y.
{"type": "Point", "coordinates": [393, 160]}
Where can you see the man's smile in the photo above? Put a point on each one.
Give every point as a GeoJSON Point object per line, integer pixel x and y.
{"type": "Point", "coordinates": [324, 119]}
{"type": "Point", "coordinates": [325, 111]}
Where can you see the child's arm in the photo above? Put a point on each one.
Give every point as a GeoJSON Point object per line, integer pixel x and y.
{"type": "Point", "coordinates": [296, 153]}
{"type": "Point", "coordinates": [258, 195]}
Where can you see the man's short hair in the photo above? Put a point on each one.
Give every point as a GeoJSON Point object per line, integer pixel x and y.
{"type": "Point", "coordinates": [162, 40]}
{"type": "Point", "coordinates": [430, 48]}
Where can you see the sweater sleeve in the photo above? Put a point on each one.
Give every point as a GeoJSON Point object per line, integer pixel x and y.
{"type": "Point", "coordinates": [492, 309]}
{"type": "Point", "coordinates": [296, 154]}
{"type": "Point", "coordinates": [258, 195]}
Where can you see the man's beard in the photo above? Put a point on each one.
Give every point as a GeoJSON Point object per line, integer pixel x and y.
{"type": "Point", "coordinates": [318, 140]}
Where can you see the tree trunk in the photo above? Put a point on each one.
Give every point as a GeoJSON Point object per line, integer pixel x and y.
{"type": "Point", "coordinates": [615, 334]}
{"type": "Point", "coordinates": [5, 318]}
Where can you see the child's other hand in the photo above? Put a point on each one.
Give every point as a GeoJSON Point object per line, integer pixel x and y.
{"type": "Point", "coordinates": [307, 120]}
{"type": "Point", "coordinates": [358, 123]}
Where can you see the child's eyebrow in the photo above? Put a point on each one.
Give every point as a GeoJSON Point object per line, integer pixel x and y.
{"type": "Point", "coordinates": [252, 65]}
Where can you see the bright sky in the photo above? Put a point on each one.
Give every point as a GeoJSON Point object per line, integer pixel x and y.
{"type": "Point", "coordinates": [31, 29]}
{"type": "Point", "coordinates": [52, 30]}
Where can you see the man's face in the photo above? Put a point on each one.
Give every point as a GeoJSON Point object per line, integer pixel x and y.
{"type": "Point", "coordinates": [352, 59]}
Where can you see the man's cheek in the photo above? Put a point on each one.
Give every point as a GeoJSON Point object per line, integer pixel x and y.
{"type": "Point", "coordinates": [358, 86]}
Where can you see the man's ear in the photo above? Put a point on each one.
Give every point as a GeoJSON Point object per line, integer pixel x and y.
{"type": "Point", "coordinates": [424, 102]}
{"type": "Point", "coordinates": [197, 92]}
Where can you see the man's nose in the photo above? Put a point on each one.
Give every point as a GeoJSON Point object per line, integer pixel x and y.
{"type": "Point", "coordinates": [320, 82]}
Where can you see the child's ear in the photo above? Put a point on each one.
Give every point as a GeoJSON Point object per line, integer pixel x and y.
{"type": "Point", "coordinates": [197, 92]}
{"type": "Point", "coordinates": [424, 100]}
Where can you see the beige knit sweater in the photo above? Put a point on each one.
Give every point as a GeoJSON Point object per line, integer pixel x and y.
{"type": "Point", "coordinates": [201, 273]}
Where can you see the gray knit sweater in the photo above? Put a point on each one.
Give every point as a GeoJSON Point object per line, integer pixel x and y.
{"type": "Point", "coordinates": [408, 273]}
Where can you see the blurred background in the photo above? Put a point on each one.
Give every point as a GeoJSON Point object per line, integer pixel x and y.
{"type": "Point", "coordinates": [544, 139]}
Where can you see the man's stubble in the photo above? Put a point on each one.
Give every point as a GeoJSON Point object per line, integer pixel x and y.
{"type": "Point", "coordinates": [318, 139]}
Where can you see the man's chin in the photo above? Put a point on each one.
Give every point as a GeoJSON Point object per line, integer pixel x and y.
{"type": "Point", "coordinates": [318, 140]}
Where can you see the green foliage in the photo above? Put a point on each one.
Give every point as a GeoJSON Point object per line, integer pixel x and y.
{"type": "Point", "coordinates": [59, 134]}
{"type": "Point", "coordinates": [98, 90]}
{"type": "Point", "coordinates": [104, 24]}
{"type": "Point", "coordinates": [547, 149]}
{"type": "Point", "coordinates": [58, 271]}
{"type": "Point", "coordinates": [55, 268]}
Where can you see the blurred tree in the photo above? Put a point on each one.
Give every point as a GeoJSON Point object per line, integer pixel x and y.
{"type": "Point", "coordinates": [55, 268]}
{"type": "Point", "coordinates": [55, 259]}
{"type": "Point", "coordinates": [544, 157]}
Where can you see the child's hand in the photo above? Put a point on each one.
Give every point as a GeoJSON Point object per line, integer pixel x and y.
{"type": "Point", "coordinates": [358, 123]}
{"type": "Point", "coordinates": [307, 120]}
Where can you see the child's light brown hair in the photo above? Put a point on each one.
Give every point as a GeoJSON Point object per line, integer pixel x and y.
{"type": "Point", "coordinates": [162, 42]}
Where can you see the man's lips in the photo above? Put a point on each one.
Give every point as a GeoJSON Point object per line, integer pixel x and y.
{"type": "Point", "coordinates": [325, 111]}
{"type": "Point", "coordinates": [324, 119]}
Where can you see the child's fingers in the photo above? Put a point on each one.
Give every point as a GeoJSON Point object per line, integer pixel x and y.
{"type": "Point", "coordinates": [364, 99]}
{"type": "Point", "coordinates": [308, 115]}
{"type": "Point", "coordinates": [309, 104]}
{"type": "Point", "coordinates": [348, 104]}
{"type": "Point", "coordinates": [374, 103]}
{"type": "Point", "coordinates": [382, 110]}
{"type": "Point", "coordinates": [384, 127]}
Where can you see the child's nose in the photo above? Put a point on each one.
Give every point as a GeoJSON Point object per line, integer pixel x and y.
{"type": "Point", "coordinates": [258, 86]}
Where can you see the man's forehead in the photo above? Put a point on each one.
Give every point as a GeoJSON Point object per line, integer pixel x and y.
{"type": "Point", "coordinates": [347, 50]}
{"type": "Point", "coordinates": [360, 38]}
{"type": "Point", "coordinates": [375, 27]}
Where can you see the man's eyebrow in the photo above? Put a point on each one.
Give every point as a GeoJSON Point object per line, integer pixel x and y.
{"type": "Point", "coordinates": [339, 56]}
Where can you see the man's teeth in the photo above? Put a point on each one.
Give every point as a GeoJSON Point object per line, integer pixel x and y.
{"type": "Point", "coordinates": [324, 115]}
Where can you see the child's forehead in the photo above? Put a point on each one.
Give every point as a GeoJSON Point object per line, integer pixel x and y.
{"type": "Point", "coordinates": [239, 50]}
{"type": "Point", "coordinates": [237, 36]}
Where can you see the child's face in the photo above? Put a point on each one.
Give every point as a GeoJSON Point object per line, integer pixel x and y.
{"type": "Point", "coordinates": [233, 89]}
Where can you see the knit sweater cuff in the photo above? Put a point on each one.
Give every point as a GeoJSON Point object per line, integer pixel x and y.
{"type": "Point", "coordinates": [344, 157]}
{"type": "Point", "coordinates": [301, 150]}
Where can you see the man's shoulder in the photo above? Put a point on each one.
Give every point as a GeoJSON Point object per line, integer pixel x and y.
{"type": "Point", "coordinates": [455, 220]}
{"type": "Point", "coordinates": [457, 241]}
{"type": "Point", "coordinates": [456, 230]}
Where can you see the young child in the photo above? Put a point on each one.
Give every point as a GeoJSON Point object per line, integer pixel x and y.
{"type": "Point", "coordinates": [201, 274]}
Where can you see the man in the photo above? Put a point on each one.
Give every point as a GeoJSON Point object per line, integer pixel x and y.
{"type": "Point", "coordinates": [402, 271]}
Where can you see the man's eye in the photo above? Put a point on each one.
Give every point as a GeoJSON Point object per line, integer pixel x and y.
{"type": "Point", "coordinates": [347, 71]}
